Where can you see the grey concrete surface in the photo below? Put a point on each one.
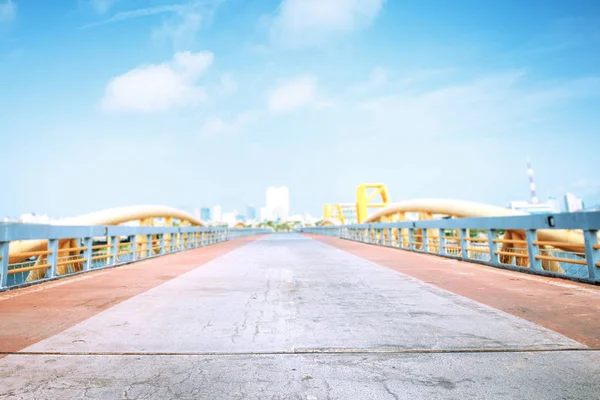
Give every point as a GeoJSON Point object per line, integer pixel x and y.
{"type": "Point", "coordinates": [553, 375]}
{"type": "Point", "coordinates": [287, 293]}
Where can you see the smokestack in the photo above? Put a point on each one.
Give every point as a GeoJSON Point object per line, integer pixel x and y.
{"type": "Point", "coordinates": [534, 199]}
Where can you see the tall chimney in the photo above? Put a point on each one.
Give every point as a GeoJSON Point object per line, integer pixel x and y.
{"type": "Point", "coordinates": [534, 199]}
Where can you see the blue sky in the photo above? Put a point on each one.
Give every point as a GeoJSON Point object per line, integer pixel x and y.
{"type": "Point", "coordinates": [108, 103]}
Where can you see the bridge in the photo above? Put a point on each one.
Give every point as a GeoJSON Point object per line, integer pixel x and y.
{"type": "Point", "coordinates": [149, 302]}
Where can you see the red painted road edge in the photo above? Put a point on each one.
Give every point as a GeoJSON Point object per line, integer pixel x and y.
{"type": "Point", "coordinates": [569, 308]}
{"type": "Point", "coordinates": [34, 313]}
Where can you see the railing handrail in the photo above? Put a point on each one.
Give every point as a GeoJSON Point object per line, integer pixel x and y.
{"type": "Point", "coordinates": [45, 257]}
{"type": "Point", "coordinates": [12, 232]}
{"type": "Point", "coordinates": [578, 220]}
{"type": "Point", "coordinates": [573, 234]}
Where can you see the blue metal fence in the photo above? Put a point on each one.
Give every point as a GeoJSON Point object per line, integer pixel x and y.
{"type": "Point", "coordinates": [482, 240]}
{"type": "Point", "coordinates": [58, 251]}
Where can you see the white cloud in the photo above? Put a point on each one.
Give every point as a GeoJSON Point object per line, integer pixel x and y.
{"type": "Point", "coordinates": [181, 29]}
{"type": "Point", "coordinates": [158, 87]}
{"type": "Point", "coordinates": [324, 104]}
{"type": "Point", "coordinates": [486, 106]}
{"type": "Point", "coordinates": [259, 48]}
{"type": "Point", "coordinates": [216, 126]}
{"type": "Point", "coordinates": [102, 6]}
{"type": "Point", "coordinates": [8, 11]}
{"type": "Point", "coordinates": [132, 14]}
{"type": "Point", "coordinates": [309, 22]}
{"type": "Point", "coordinates": [227, 85]}
{"type": "Point", "coordinates": [293, 94]}
{"type": "Point", "coordinates": [377, 78]}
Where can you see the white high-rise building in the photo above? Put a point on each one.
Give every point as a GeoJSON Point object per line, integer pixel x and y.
{"type": "Point", "coordinates": [278, 203]}
{"type": "Point", "coordinates": [264, 214]}
{"type": "Point", "coordinates": [573, 203]}
{"type": "Point", "coordinates": [230, 217]}
{"type": "Point", "coordinates": [217, 214]}
{"type": "Point", "coordinates": [554, 204]}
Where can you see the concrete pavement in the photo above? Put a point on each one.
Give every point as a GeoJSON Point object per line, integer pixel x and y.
{"type": "Point", "coordinates": [289, 317]}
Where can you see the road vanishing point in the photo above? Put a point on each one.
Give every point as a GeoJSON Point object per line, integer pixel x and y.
{"type": "Point", "coordinates": [295, 316]}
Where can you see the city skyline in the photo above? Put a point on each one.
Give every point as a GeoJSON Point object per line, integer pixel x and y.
{"type": "Point", "coordinates": [372, 91]}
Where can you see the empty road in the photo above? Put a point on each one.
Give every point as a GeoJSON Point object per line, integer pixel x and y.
{"type": "Point", "coordinates": [288, 316]}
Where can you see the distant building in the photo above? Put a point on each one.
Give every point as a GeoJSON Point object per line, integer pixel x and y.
{"type": "Point", "coordinates": [240, 217]}
{"type": "Point", "coordinates": [309, 219]}
{"type": "Point", "coordinates": [217, 213]}
{"type": "Point", "coordinates": [205, 214]}
{"type": "Point", "coordinates": [230, 218]}
{"type": "Point", "coordinates": [296, 218]}
{"type": "Point", "coordinates": [573, 203]}
{"type": "Point", "coordinates": [33, 218]}
{"type": "Point", "coordinates": [349, 212]}
{"type": "Point", "coordinates": [278, 203]}
{"type": "Point", "coordinates": [529, 208]}
{"type": "Point", "coordinates": [264, 214]}
{"type": "Point", "coordinates": [593, 208]}
{"type": "Point", "coordinates": [251, 213]}
{"type": "Point", "coordinates": [554, 204]}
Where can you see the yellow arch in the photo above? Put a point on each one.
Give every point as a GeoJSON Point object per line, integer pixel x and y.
{"type": "Point", "coordinates": [364, 199]}
{"type": "Point", "coordinates": [145, 214]}
{"type": "Point", "coordinates": [426, 208]}
{"type": "Point", "coordinates": [117, 216]}
{"type": "Point", "coordinates": [239, 224]}
{"type": "Point", "coordinates": [571, 241]}
{"type": "Point", "coordinates": [330, 222]}
{"type": "Point", "coordinates": [333, 211]}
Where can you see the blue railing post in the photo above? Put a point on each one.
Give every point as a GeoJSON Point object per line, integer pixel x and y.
{"type": "Point", "coordinates": [87, 253]}
{"type": "Point", "coordinates": [52, 257]}
{"type": "Point", "coordinates": [491, 234]}
{"type": "Point", "coordinates": [463, 243]}
{"type": "Point", "coordinates": [592, 255]}
{"type": "Point", "coordinates": [173, 242]}
{"type": "Point", "coordinates": [424, 240]}
{"type": "Point", "coordinates": [533, 250]}
{"type": "Point", "coordinates": [442, 240]}
{"type": "Point", "coordinates": [4, 264]}
{"type": "Point", "coordinates": [149, 249]}
{"type": "Point", "coordinates": [410, 239]}
{"type": "Point", "coordinates": [162, 243]}
{"type": "Point", "coordinates": [133, 241]}
{"type": "Point", "coordinates": [114, 240]}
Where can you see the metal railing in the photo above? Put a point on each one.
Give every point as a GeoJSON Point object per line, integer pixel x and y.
{"type": "Point", "coordinates": [483, 240]}
{"type": "Point", "coordinates": [70, 250]}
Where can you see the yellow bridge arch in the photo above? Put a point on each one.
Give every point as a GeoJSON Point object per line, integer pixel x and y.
{"type": "Point", "coordinates": [145, 215]}
{"type": "Point", "coordinates": [513, 244]}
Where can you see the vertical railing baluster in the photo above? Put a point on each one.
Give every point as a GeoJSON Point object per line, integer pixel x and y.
{"type": "Point", "coordinates": [592, 254]}
{"type": "Point", "coordinates": [463, 243]}
{"type": "Point", "coordinates": [533, 250]}
{"type": "Point", "coordinates": [149, 246]}
{"type": "Point", "coordinates": [4, 264]}
{"type": "Point", "coordinates": [114, 250]}
{"type": "Point", "coordinates": [133, 242]}
{"type": "Point", "coordinates": [52, 257]}
{"type": "Point", "coordinates": [87, 253]}
{"type": "Point", "coordinates": [491, 234]}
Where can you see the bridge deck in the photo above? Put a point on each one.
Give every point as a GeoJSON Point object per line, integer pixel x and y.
{"type": "Point", "coordinates": [287, 316]}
